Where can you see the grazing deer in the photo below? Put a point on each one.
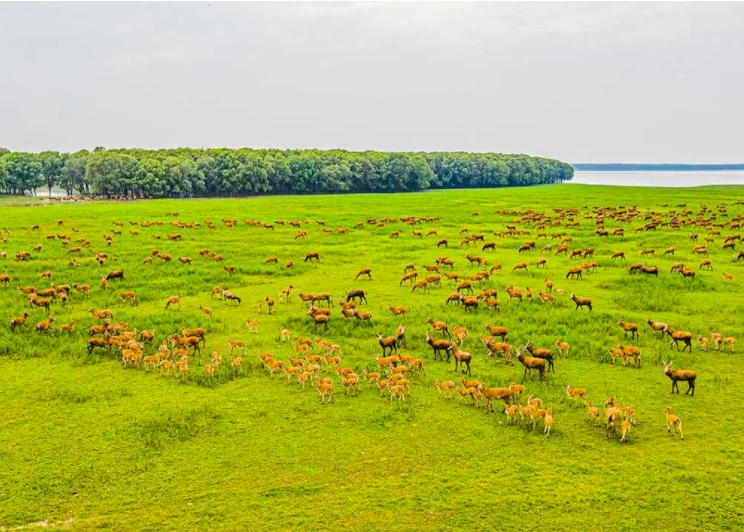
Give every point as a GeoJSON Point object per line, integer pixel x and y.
{"type": "Point", "coordinates": [677, 375]}
{"type": "Point", "coordinates": [674, 423]}
{"type": "Point", "coordinates": [228, 296]}
{"type": "Point", "coordinates": [173, 300]}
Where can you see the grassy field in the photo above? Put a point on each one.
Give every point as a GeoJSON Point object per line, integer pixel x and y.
{"type": "Point", "coordinates": [86, 444]}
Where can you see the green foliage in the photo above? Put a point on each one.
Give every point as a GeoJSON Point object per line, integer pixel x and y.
{"type": "Point", "coordinates": [187, 172]}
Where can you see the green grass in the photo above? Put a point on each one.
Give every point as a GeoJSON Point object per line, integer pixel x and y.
{"type": "Point", "coordinates": [86, 444]}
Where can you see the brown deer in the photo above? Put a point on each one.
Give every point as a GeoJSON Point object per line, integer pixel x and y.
{"type": "Point", "coordinates": [677, 375]}
{"type": "Point", "coordinates": [438, 346]}
{"type": "Point", "coordinates": [545, 354]}
{"type": "Point", "coordinates": [631, 328]}
{"type": "Point", "coordinates": [581, 302]}
{"type": "Point", "coordinates": [461, 358]}
{"type": "Point", "coordinates": [679, 336]}
{"type": "Point", "coordinates": [173, 300]}
{"type": "Point", "coordinates": [629, 351]}
{"type": "Point", "coordinates": [657, 326]}
{"type": "Point", "coordinates": [532, 364]}
{"type": "Point", "coordinates": [389, 342]}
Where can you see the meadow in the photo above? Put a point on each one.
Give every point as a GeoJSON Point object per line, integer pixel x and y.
{"type": "Point", "coordinates": [87, 444]}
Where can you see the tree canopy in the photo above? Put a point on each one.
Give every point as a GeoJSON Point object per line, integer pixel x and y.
{"type": "Point", "coordinates": [187, 172]}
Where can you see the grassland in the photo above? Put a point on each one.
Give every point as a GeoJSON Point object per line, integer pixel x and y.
{"type": "Point", "coordinates": [86, 444]}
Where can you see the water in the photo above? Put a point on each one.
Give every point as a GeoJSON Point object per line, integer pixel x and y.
{"type": "Point", "coordinates": [659, 178]}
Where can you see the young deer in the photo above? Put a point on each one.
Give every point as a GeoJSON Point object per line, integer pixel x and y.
{"type": "Point", "coordinates": [673, 423]}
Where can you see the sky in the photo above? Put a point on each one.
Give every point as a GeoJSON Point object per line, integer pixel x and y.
{"type": "Point", "coordinates": [580, 82]}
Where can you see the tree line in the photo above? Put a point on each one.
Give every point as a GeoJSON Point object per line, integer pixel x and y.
{"type": "Point", "coordinates": [187, 172]}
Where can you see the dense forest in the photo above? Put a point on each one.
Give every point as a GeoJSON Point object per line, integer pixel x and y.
{"type": "Point", "coordinates": [186, 172]}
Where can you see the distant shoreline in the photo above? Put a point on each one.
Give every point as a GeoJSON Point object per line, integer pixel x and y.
{"type": "Point", "coordinates": [666, 167]}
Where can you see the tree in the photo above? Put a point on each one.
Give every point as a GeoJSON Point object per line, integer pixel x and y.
{"type": "Point", "coordinates": [51, 168]}
{"type": "Point", "coordinates": [187, 172]}
{"type": "Point", "coordinates": [72, 176]}
{"type": "Point", "coordinates": [24, 172]}
{"type": "Point", "coordinates": [110, 172]}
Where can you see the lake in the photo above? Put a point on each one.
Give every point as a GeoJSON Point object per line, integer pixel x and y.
{"type": "Point", "coordinates": [659, 178]}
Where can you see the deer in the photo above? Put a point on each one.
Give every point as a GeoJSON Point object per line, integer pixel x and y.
{"type": "Point", "coordinates": [67, 327]}
{"type": "Point", "coordinates": [100, 314]}
{"type": "Point", "coordinates": [630, 352]}
{"type": "Point", "coordinates": [575, 394]}
{"type": "Point", "coordinates": [729, 341]}
{"type": "Point", "coordinates": [593, 411]}
{"type": "Point", "coordinates": [228, 296]}
{"type": "Point", "coordinates": [400, 335]}
{"type": "Point", "coordinates": [364, 271]}
{"type": "Point", "coordinates": [116, 274]}
{"type": "Point", "coordinates": [532, 364]}
{"type": "Point", "coordinates": [45, 326]}
{"type": "Point", "coordinates": [460, 334]}
{"type": "Point", "coordinates": [445, 388]}
{"type": "Point", "coordinates": [548, 422]}
{"type": "Point", "coordinates": [581, 302]}
{"type": "Point", "coordinates": [497, 348]}
{"type": "Point", "coordinates": [679, 336]}
{"type": "Point", "coordinates": [461, 358]}
{"type": "Point", "coordinates": [389, 342]}
{"type": "Point", "coordinates": [624, 430]}
{"type": "Point", "coordinates": [575, 273]}
{"type": "Point", "coordinates": [501, 332]}
{"type": "Point", "coordinates": [545, 354]}
{"type": "Point", "coordinates": [397, 311]}
{"type": "Point", "coordinates": [355, 294]}
{"type": "Point", "coordinates": [489, 394]}
{"type": "Point", "coordinates": [520, 266]}
{"type": "Point", "coordinates": [439, 326]}
{"type": "Point", "coordinates": [236, 344]}
{"type": "Point", "coordinates": [677, 375]}
{"type": "Point", "coordinates": [563, 348]}
{"type": "Point", "coordinates": [438, 346]}
{"type": "Point", "coordinates": [674, 423]}
{"type": "Point", "coordinates": [658, 326]}
{"type": "Point", "coordinates": [612, 414]}
{"type": "Point", "coordinates": [173, 300]}
{"type": "Point", "coordinates": [631, 328]}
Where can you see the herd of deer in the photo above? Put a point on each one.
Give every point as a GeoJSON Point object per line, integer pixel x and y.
{"type": "Point", "coordinates": [395, 371]}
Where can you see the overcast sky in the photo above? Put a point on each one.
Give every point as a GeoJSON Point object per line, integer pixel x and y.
{"type": "Point", "coordinates": [579, 82]}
